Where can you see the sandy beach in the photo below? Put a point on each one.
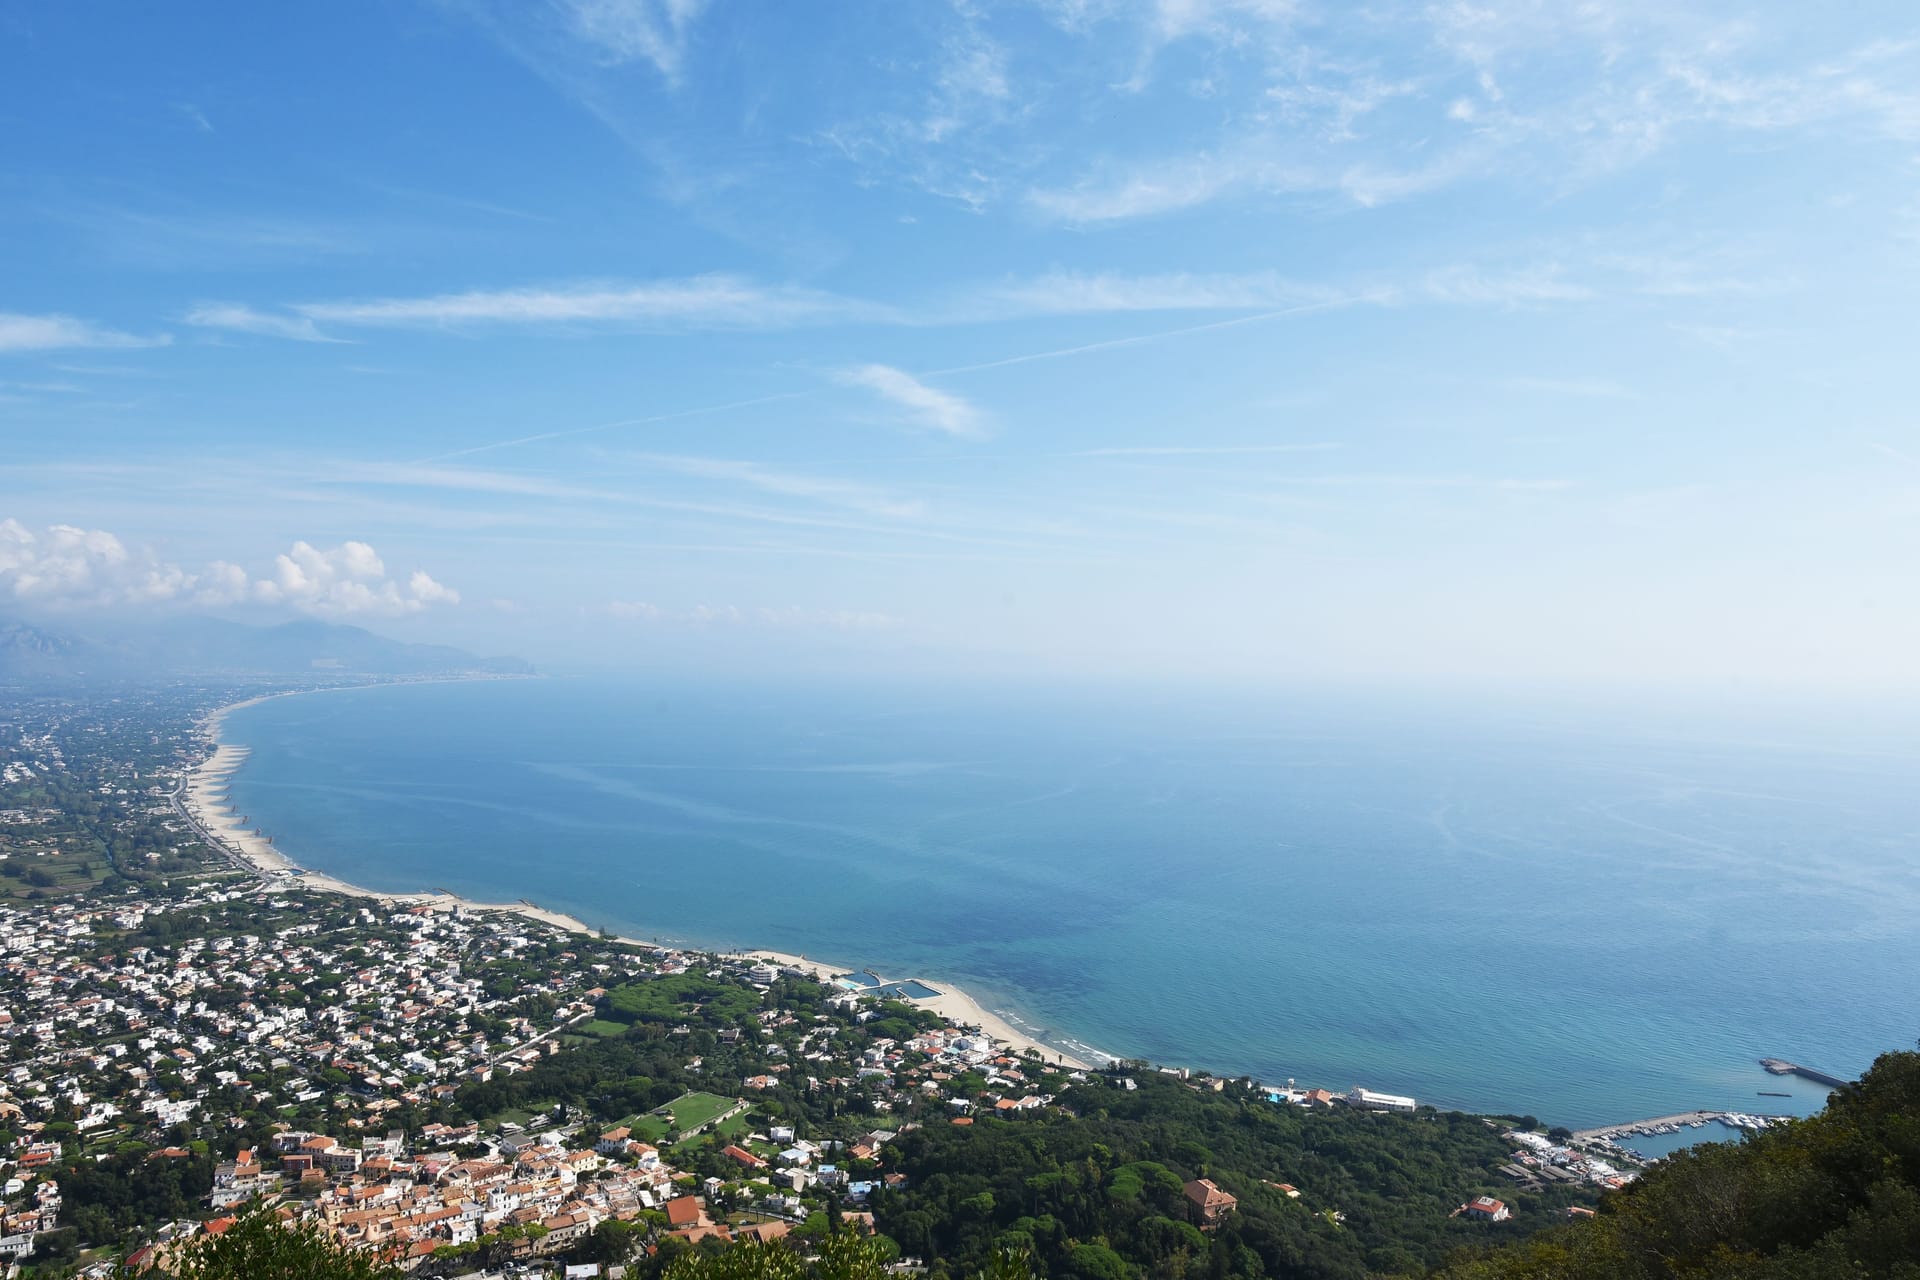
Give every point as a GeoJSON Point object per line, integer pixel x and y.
{"type": "Point", "coordinates": [204, 802]}
{"type": "Point", "coordinates": [953, 1004]}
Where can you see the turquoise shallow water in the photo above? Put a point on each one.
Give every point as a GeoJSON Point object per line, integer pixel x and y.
{"type": "Point", "coordinates": [1587, 923]}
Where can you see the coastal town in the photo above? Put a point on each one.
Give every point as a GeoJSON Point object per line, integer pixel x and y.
{"type": "Point", "coordinates": [318, 1051]}
{"type": "Point", "coordinates": [190, 1030]}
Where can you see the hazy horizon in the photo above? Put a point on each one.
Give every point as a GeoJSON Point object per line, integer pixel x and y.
{"type": "Point", "coordinates": [1492, 346]}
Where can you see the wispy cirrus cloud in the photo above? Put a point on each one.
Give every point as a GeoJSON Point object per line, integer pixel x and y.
{"type": "Point", "coordinates": [55, 332]}
{"type": "Point", "coordinates": [654, 31]}
{"type": "Point", "coordinates": [697, 302]}
{"type": "Point", "coordinates": [1477, 92]}
{"type": "Point", "coordinates": [733, 302]}
{"type": "Point", "coordinates": [944, 133]}
{"type": "Point", "coordinates": [241, 318]}
{"type": "Point", "coordinates": [922, 405]}
{"type": "Point", "coordinates": [195, 116]}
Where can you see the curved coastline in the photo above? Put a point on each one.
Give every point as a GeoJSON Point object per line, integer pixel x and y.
{"type": "Point", "coordinates": [203, 802]}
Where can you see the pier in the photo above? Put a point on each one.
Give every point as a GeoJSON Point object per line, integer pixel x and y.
{"type": "Point", "coordinates": [1781, 1067]}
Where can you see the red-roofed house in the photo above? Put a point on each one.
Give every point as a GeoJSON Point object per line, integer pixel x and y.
{"type": "Point", "coordinates": [1207, 1203]}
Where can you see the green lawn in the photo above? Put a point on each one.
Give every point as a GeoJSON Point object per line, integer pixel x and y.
{"type": "Point", "coordinates": [647, 1128]}
{"type": "Point", "coordinates": [692, 1109]}
{"type": "Point", "coordinates": [736, 1127]}
{"type": "Point", "coordinates": [604, 1029]}
{"type": "Point", "coordinates": [519, 1115]}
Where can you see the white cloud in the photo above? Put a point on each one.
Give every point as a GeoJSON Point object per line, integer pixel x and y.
{"type": "Point", "coordinates": [244, 319]}
{"type": "Point", "coordinates": [68, 563]}
{"type": "Point", "coordinates": [924, 405]}
{"type": "Point", "coordinates": [222, 584]}
{"type": "Point", "coordinates": [20, 332]}
{"type": "Point", "coordinates": [65, 565]}
{"type": "Point", "coordinates": [346, 580]}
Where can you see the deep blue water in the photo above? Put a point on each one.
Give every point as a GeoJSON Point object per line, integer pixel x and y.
{"type": "Point", "coordinates": [1588, 920]}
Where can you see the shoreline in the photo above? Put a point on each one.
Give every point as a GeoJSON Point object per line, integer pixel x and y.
{"type": "Point", "coordinates": [203, 802]}
{"type": "Point", "coordinates": [953, 1003]}
{"type": "Point", "coordinates": [256, 856]}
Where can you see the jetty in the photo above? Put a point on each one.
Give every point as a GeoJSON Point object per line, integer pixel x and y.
{"type": "Point", "coordinates": [1781, 1067]}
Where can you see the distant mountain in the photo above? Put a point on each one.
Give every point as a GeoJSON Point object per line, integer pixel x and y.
{"type": "Point", "coordinates": [26, 650]}
{"type": "Point", "coordinates": [178, 647]}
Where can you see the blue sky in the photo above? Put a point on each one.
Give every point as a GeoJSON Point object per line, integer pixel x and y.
{"type": "Point", "coordinates": [1510, 341]}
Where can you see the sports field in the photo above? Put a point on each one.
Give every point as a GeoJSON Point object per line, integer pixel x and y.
{"type": "Point", "coordinates": [691, 1110]}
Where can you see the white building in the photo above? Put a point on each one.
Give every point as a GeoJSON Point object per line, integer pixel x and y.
{"type": "Point", "coordinates": [1368, 1100]}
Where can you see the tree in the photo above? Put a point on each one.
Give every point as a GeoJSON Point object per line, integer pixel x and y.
{"type": "Point", "coordinates": [841, 1257]}
{"type": "Point", "coordinates": [262, 1247]}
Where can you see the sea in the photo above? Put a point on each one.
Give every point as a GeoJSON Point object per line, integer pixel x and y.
{"type": "Point", "coordinates": [1576, 912]}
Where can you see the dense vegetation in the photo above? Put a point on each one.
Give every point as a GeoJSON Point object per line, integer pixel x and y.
{"type": "Point", "coordinates": [1098, 1193]}
{"type": "Point", "coordinates": [1834, 1196]}
{"type": "Point", "coordinates": [838, 1257]}
{"type": "Point", "coordinates": [685, 997]}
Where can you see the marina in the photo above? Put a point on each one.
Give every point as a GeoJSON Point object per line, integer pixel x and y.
{"type": "Point", "coordinates": [1659, 1136]}
{"type": "Point", "coordinates": [1656, 1125]}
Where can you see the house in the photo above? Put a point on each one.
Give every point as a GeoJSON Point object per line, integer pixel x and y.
{"type": "Point", "coordinates": [763, 1232]}
{"type": "Point", "coordinates": [684, 1212]}
{"type": "Point", "coordinates": [1486, 1209]}
{"type": "Point", "coordinates": [740, 1155]}
{"type": "Point", "coordinates": [614, 1141]}
{"type": "Point", "coordinates": [1207, 1203]}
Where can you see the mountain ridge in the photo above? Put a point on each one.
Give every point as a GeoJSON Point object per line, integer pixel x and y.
{"type": "Point", "coordinates": [33, 651]}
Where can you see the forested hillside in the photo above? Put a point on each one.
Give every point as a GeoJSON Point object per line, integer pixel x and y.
{"type": "Point", "coordinates": [1097, 1193]}
{"type": "Point", "coordinates": [1834, 1196]}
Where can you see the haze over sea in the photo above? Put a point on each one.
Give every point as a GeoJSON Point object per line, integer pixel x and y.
{"type": "Point", "coordinates": [1499, 911]}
